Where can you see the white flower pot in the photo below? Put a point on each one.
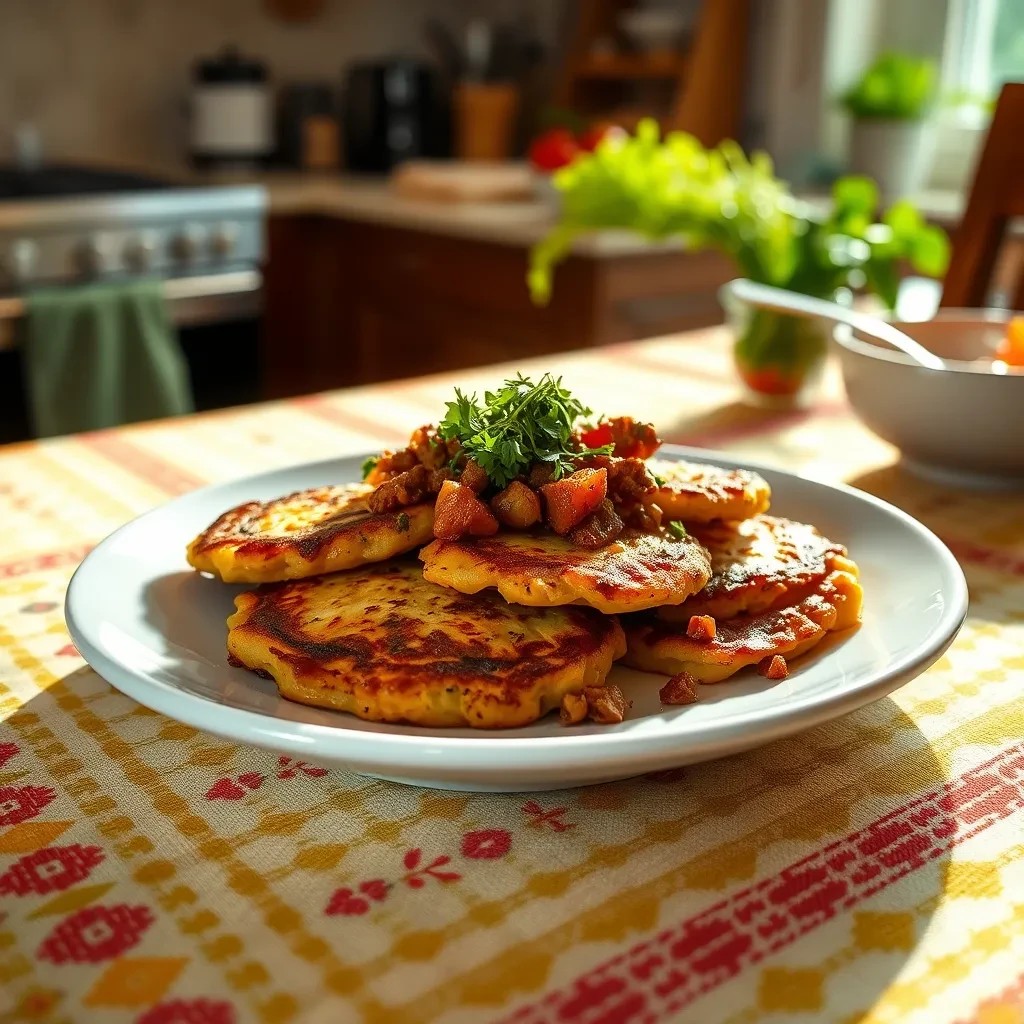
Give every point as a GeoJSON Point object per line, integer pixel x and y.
{"type": "Point", "coordinates": [895, 153]}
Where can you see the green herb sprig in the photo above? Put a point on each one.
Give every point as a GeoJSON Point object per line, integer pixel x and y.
{"type": "Point", "coordinates": [520, 424]}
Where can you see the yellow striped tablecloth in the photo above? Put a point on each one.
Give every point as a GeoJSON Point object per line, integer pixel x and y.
{"type": "Point", "coordinates": [869, 870]}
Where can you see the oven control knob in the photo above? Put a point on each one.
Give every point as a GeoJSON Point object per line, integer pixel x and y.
{"type": "Point", "coordinates": [90, 257]}
{"type": "Point", "coordinates": [223, 239]}
{"type": "Point", "coordinates": [187, 244]}
{"type": "Point", "coordinates": [19, 261]}
{"type": "Point", "coordinates": [139, 252]}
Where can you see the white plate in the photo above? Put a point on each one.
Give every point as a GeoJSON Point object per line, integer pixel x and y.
{"type": "Point", "coordinates": [155, 629]}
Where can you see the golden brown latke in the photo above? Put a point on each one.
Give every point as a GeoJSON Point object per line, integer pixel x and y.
{"type": "Point", "coordinates": [320, 530]}
{"type": "Point", "coordinates": [384, 644]}
{"type": "Point", "coordinates": [632, 573]}
{"type": "Point", "coordinates": [832, 603]}
{"type": "Point", "coordinates": [754, 564]}
{"type": "Point", "coordinates": [697, 493]}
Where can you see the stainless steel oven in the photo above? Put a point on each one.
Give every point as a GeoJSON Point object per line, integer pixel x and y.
{"type": "Point", "coordinates": [63, 226]}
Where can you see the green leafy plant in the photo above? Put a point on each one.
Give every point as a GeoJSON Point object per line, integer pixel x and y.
{"type": "Point", "coordinates": [720, 198]}
{"type": "Point", "coordinates": [896, 85]}
{"type": "Point", "coordinates": [519, 424]}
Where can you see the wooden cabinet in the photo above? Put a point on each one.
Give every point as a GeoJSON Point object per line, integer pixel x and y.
{"type": "Point", "coordinates": [350, 302]}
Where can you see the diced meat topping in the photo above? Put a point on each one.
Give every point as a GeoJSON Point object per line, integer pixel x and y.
{"type": "Point", "coordinates": [407, 488]}
{"type": "Point", "coordinates": [591, 506]}
{"type": "Point", "coordinates": [569, 501]}
{"type": "Point", "coordinates": [574, 708]}
{"type": "Point", "coordinates": [517, 506]}
{"type": "Point", "coordinates": [601, 527]}
{"type": "Point", "coordinates": [701, 627]}
{"type": "Point", "coordinates": [773, 667]}
{"type": "Point", "coordinates": [459, 511]}
{"type": "Point", "coordinates": [473, 476]}
{"type": "Point", "coordinates": [680, 689]}
{"type": "Point", "coordinates": [425, 448]}
{"type": "Point", "coordinates": [606, 705]}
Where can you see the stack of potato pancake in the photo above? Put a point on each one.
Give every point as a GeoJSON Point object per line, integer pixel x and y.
{"type": "Point", "coordinates": [496, 631]}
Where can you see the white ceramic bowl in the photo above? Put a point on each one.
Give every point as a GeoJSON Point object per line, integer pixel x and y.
{"type": "Point", "coordinates": [961, 425]}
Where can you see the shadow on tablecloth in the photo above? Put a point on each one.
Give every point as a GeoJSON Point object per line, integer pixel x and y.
{"type": "Point", "coordinates": [797, 878]}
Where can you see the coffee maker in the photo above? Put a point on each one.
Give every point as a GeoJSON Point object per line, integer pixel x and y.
{"type": "Point", "coordinates": [394, 110]}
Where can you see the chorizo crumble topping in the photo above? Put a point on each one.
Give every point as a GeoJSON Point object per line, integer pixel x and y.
{"type": "Point", "coordinates": [527, 456]}
{"type": "Point", "coordinates": [680, 689]}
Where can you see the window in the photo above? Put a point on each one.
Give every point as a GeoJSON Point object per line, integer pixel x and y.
{"type": "Point", "coordinates": [984, 48]}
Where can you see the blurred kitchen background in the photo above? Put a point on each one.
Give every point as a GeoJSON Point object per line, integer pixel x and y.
{"type": "Point", "coordinates": [306, 194]}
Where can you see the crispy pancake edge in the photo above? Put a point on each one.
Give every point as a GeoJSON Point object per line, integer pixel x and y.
{"type": "Point", "coordinates": [728, 594]}
{"type": "Point", "coordinates": [454, 687]}
{"type": "Point", "coordinates": [723, 494]}
{"type": "Point", "coordinates": [236, 555]}
{"type": "Point", "coordinates": [645, 571]}
{"type": "Point", "coordinates": [831, 604]}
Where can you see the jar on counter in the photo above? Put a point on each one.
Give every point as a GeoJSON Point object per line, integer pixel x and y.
{"type": "Point", "coordinates": [308, 131]}
{"type": "Point", "coordinates": [231, 112]}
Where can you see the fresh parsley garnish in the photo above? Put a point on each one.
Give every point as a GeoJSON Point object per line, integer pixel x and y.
{"type": "Point", "coordinates": [518, 425]}
{"type": "Point", "coordinates": [403, 523]}
{"type": "Point", "coordinates": [677, 529]}
{"type": "Point", "coordinates": [369, 465]}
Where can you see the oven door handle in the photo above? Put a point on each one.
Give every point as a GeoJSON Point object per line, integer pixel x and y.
{"type": "Point", "coordinates": [202, 299]}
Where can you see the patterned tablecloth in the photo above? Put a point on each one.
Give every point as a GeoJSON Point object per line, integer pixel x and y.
{"type": "Point", "coordinates": [869, 870]}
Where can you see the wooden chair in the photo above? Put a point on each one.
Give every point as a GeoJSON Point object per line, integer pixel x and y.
{"type": "Point", "coordinates": [997, 196]}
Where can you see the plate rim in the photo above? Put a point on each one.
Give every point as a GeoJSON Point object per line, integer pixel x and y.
{"type": "Point", "coordinates": [402, 751]}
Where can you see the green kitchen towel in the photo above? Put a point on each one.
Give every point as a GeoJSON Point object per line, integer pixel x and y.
{"type": "Point", "coordinates": [100, 355]}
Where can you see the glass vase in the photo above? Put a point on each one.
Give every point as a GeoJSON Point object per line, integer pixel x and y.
{"type": "Point", "coordinates": [780, 358]}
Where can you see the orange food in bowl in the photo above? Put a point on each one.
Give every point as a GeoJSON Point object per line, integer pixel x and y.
{"type": "Point", "coordinates": [1011, 348]}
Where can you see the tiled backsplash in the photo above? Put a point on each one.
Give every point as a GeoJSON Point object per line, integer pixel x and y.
{"type": "Point", "coordinates": [107, 80]}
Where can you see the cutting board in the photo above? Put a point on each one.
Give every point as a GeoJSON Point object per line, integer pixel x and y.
{"type": "Point", "coordinates": [451, 181]}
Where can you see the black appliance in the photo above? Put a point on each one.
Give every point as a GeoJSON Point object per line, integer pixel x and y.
{"type": "Point", "coordinates": [392, 111]}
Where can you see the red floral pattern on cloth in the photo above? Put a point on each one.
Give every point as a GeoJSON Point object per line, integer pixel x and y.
{"type": "Point", "coordinates": [7, 751]}
{"type": "Point", "coordinates": [20, 803]}
{"type": "Point", "coordinates": [234, 788]}
{"type": "Point", "coordinates": [290, 768]}
{"type": "Point", "coordinates": [479, 844]}
{"type": "Point", "coordinates": [344, 901]}
{"type": "Point", "coordinates": [50, 870]}
{"type": "Point", "coordinates": [486, 844]}
{"type": "Point", "coordinates": [551, 817]}
{"type": "Point", "coordinates": [189, 1011]}
{"type": "Point", "coordinates": [95, 934]}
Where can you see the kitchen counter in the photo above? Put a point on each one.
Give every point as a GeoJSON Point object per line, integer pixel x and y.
{"type": "Point", "coordinates": [372, 200]}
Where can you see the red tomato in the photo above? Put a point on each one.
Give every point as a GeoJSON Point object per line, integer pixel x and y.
{"type": "Point", "coordinates": [553, 149]}
{"type": "Point", "coordinates": [770, 381]}
{"type": "Point", "coordinates": [596, 133]}
{"type": "Point", "coordinates": [598, 437]}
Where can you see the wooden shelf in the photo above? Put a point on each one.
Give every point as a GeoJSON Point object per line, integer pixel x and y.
{"type": "Point", "coordinates": [631, 66]}
{"type": "Point", "coordinates": [699, 90]}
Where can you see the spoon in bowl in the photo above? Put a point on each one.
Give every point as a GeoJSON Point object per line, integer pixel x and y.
{"type": "Point", "coordinates": [766, 296]}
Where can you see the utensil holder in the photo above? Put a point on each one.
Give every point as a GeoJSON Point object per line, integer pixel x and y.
{"type": "Point", "coordinates": [485, 115]}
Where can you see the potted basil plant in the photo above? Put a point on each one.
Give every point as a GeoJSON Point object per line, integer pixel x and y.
{"type": "Point", "coordinates": [891, 138]}
{"type": "Point", "coordinates": [719, 198]}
